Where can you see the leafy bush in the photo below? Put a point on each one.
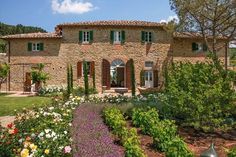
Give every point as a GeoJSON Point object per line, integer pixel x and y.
{"type": "Point", "coordinates": [50, 90]}
{"type": "Point", "coordinates": [129, 138]}
{"type": "Point", "coordinates": [231, 152]}
{"type": "Point", "coordinates": [178, 148]}
{"type": "Point", "coordinates": [145, 118]}
{"type": "Point", "coordinates": [80, 91]}
{"type": "Point", "coordinates": [198, 95]}
{"type": "Point", "coordinates": [162, 131]}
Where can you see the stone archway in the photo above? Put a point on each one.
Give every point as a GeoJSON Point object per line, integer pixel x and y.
{"type": "Point", "coordinates": [117, 72]}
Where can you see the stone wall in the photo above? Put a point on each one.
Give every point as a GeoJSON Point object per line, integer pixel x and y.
{"type": "Point", "coordinates": [59, 52]}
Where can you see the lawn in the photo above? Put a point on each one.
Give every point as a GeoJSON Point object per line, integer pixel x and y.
{"type": "Point", "coordinates": [9, 104]}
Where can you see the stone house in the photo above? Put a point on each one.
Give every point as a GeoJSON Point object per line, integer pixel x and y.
{"type": "Point", "coordinates": [107, 46]}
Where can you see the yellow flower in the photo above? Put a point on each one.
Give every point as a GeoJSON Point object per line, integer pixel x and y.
{"type": "Point", "coordinates": [33, 147]}
{"type": "Point", "coordinates": [46, 151]}
{"type": "Point", "coordinates": [24, 153]}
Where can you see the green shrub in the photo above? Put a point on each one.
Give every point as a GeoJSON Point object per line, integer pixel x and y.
{"type": "Point", "coordinates": [198, 95]}
{"type": "Point", "coordinates": [132, 145]}
{"type": "Point", "coordinates": [145, 118]}
{"type": "Point", "coordinates": [129, 138]}
{"type": "Point", "coordinates": [231, 152]}
{"type": "Point", "coordinates": [85, 73]}
{"type": "Point", "coordinates": [178, 148]}
{"type": "Point", "coordinates": [163, 133]}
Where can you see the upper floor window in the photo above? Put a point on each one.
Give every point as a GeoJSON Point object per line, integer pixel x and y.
{"type": "Point", "coordinates": [117, 37]}
{"type": "Point", "coordinates": [85, 36]}
{"type": "Point", "coordinates": [35, 46]}
{"type": "Point", "coordinates": [146, 37]}
{"type": "Point", "coordinates": [199, 47]}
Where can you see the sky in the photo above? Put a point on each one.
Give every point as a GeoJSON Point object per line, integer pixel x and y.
{"type": "Point", "coordinates": [48, 13]}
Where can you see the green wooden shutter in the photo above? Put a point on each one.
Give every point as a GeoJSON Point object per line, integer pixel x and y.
{"type": "Point", "coordinates": [123, 37]}
{"type": "Point", "coordinates": [143, 37]}
{"type": "Point", "coordinates": [204, 47]}
{"type": "Point", "coordinates": [112, 37]}
{"type": "Point", "coordinates": [194, 46]}
{"type": "Point", "coordinates": [29, 46]}
{"type": "Point", "coordinates": [91, 36]}
{"type": "Point", "coordinates": [80, 36]}
{"type": "Point", "coordinates": [41, 46]}
{"type": "Point", "coordinates": [151, 37]}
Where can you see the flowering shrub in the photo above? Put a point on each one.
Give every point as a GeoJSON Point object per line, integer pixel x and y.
{"type": "Point", "coordinates": [129, 138]}
{"type": "Point", "coordinates": [49, 90]}
{"type": "Point", "coordinates": [40, 132]}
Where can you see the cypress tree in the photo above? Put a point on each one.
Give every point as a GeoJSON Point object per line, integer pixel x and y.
{"type": "Point", "coordinates": [68, 80]}
{"type": "Point", "coordinates": [71, 78]}
{"type": "Point", "coordinates": [132, 77]}
{"type": "Point", "coordinates": [85, 72]}
{"type": "Point", "coordinates": [94, 83]}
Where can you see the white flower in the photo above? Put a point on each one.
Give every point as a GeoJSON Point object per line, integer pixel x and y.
{"type": "Point", "coordinates": [65, 132]}
{"type": "Point", "coordinates": [41, 134]}
{"type": "Point", "coordinates": [48, 136]}
{"type": "Point", "coordinates": [47, 130]}
{"type": "Point", "coordinates": [70, 124]}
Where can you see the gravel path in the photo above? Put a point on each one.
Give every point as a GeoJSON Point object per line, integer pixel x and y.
{"type": "Point", "coordinates": [91, 136]}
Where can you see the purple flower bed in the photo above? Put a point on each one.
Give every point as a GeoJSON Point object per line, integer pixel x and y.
{"type": "Point", "coordinates": [91, 136]}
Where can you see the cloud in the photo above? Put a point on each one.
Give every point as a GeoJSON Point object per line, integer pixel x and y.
{"type": "Point", "coordinates": [170, 18]}
{"type": "Point", "coordinates": [71, 6]}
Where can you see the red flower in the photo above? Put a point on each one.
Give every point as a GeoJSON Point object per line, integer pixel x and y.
{"type": "Point", "coordinates": [10, 125]}
{"type": "Point", "coordinates": [15, 131]}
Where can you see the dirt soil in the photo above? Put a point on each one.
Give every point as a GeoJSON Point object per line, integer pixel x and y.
{"type": "Point", "coordinates": [196, 141]}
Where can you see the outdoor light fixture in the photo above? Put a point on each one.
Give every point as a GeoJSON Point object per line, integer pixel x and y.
{"type": "Point", "coordinates": [209, 152]}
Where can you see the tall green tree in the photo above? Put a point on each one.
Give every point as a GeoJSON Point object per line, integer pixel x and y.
{"type": "Point", "coordinates": [69, 88]}
{"type": "Point", "coordinates": [85, 73]}
{"type": "Point", "coordinates": [211, 18]}
{"type": "Point", "coordinates": [4, 70]}
{"type": "Point", "coordinates": [133, 81]}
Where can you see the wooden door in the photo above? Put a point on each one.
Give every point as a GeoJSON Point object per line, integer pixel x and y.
{"type": "Point", "coordinates": [27, 83]}
{"type": "Point", "coordinates": [106, 74]}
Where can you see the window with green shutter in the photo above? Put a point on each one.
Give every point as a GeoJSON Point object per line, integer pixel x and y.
{"type": "Point", "coordinates": [122, 37]}
{"type": "Point", "coordinates": [112, 37]}
{"type": "Point", "coordinates": [143, 37]}
{"type": "Point", "coordinates": [194, 46]}
{"type": "Point", "coordinates": [80, 36]}
{"type": "Point", "coordinates": [41, 46]}
{"type": "Point", "coordinates": [29, 46]}
{"type": "Point", "coordinates": [90, 36]}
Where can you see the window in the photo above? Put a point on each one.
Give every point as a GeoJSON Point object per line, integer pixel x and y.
{"type": "Point", "coordinates": [148, 64]}
{"type": "Point", "coordinates": [117, 36]}
{"type": "Point", "coordinates": [146, 37]}
{"type": "Point", "coordinates": [35, 46]}
{"type": "Point", "coordinates": [199, 47]}
{"type": "Point", "coordinates": [85, 36]}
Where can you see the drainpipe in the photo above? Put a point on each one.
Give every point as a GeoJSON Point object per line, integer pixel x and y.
{"type": "Point", "coordinates": [9, 60]}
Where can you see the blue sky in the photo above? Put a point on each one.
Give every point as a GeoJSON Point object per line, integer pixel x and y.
{"type": "Point", "coordinates": [48, 13]}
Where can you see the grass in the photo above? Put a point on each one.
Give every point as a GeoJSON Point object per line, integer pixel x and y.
{"type": "Point", "coordinates": [9, 104]}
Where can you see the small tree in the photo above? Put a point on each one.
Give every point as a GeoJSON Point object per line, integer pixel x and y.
{"type": "Point", "coordinates": [85, 73]}
{"type": "Point", "coordinates": [38, 76]}
{"type": "Point", "coordinates": [71, 77]}
{"type": "Point", "coordinates": [69, 88]}
{"type": "Point", "coordinates": [94, 83]}
{"type": "Point", "coordinates": [4, 70]}
{"type": "Point", "coordinates": [132, 77]}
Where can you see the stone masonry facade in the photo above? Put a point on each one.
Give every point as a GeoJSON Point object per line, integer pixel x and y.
{"type": "Point", "coordinates": [64, 48]}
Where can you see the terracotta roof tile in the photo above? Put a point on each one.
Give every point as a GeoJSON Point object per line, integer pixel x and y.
{"type": "Point", "coordinates": [114, 23]}
{"type": "Point", "coordinates": [191, 35]}
{"type": "Point", "coordinates": [32, 35]}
